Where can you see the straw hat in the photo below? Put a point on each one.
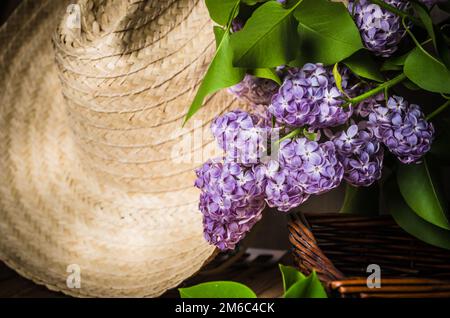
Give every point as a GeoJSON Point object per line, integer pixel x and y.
{"type": "Point", "coordinates": [89, 120]}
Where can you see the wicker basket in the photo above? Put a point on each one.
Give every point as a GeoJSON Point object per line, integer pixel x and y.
{"type": "Point", "coordinates": [340, 247]}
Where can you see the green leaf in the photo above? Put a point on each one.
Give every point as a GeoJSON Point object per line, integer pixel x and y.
{"type": "Point", "coordinates": [411, 222]}
{"type": "Point", "coordinates": [268, 38]}
{"type": "Point", "coordinates": [423, 15]}
{"type": "Point", "coordinates": [221, 73]}
{"type": "Point", "coordinates": [421, 192]}
{"type": "Point", "coordinates": [268, 73]}
{"type": "Point", "coordinates": [221, 289]}
{"type": "Point", "coordinates": [338, 78]}
{"type": "Point", "coordinates": [309, 287]}
{"type": "Point", "coordinates": [438, 40]}
{"type": "Point", "coordinates": [394, 63]}
{"type": "Point", "coordinates": [361, 200]}
{"type": "Point", "coordinates": [427, 72]}
{"type": "Point", "coordinates": [443, 49]}
{"type": "Point", "coordinates": [327, 32]}
{"type": "Point", "coordinates": [221, 11]}
{"type": "Point", "coordinates": [362, 64]}
{"type": "Point", "coordinates": [410, 85]}
{"type": "Point", "coordinates": [290, 276]}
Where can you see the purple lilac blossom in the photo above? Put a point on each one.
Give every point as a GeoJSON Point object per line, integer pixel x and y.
{"type": "Point", "coordinates": [381, 30]}
{"type": "Point", "coordinates": [244, 137]}
{"type": "Point", "coordinates": [402, 127]}
{"type": "Point", "coordinates": [309, 96]}
{"type": "Point", "coordinates": [231, 201]}
{"type": "Point", "coordinates": [262, 112]}
{"type": "Point", "coordinates": [237, 24]}
{"type": "Point", "coordinates": [283, 190]}
{"type": "Point", "coordinates": [255, 90]}
{"type": "Point", "coordinates": [364, 108]}
{"type": "Point", "coordinates": [361, 154]}
{"type": "Point", "coordinates": [322, 171]}
{"type": "Point", "coordinates": [314, 167]}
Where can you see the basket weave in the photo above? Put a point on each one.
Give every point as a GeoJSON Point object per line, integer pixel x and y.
{"type": "Point", "coordinates": [339, 248]}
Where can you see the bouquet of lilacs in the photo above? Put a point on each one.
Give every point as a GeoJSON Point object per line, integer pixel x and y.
{"type": "Point", "coordinates": [325, 83]}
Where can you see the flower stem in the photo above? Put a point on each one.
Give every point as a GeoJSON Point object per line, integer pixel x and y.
{"type": "Point", "coordinates": [438, 110]}
{"type": "Point", "coordinates": [376, 90]}
{"type": "Point", "coordinates": [396, 11]}
{"type": "Point", "coordinates": [231, 17]}
{"type": "Point", "coordinates": [292, 134]}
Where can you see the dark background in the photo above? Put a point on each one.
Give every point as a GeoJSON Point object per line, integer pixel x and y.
{"type": "Point", "coordinates": [6, 7]}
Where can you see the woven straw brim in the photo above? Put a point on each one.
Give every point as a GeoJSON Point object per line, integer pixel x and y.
{"type": "Point", "coordinates": [85, 177]}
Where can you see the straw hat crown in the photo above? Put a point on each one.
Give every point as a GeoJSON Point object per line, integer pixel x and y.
{"type": "Point", "coordinates": [127, 79]}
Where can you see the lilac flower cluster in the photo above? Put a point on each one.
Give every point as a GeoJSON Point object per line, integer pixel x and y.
{"type": "Point", "coordinates": [242, 136]}
{"type": "Point", "coordinates": [303, 168]}
{"type": "Point", "coordinates": [283, 190]}
{"type": "Point", "coordinates": [255, 90]}
{"type": "Point", "coordinates": [360, 153]}
{"type": "Point", "coordinates": [316, 158]}
{"type": "Point", "coordinates": [403, 129]}
{"type": "Point", "coordinates": [381, 30]}
{"type": "Point", "coordinates": [316, 165]}
{"type": "Point", "coordinates": [231, 201]}
{"type": "Point", "coordinates": [326, 137]}
{"type": "Point", "coordinates": [234, 194]}
{"type": "Point", "coordinates": [309, 96]}
{"type": "Point", "coordinates": [233, 189]}
{"type": "Point", "coordinates": [364, 108]}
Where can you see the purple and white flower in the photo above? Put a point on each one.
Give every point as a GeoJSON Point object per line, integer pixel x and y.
{"type": "Point", "coordinates": [364, 108]}
{"type": "Point", "coordinates": [231, 201]}
{"type": "Point", "coordinates": [361, 154]}
{"type": "Point", "coordinates": [244, 137]}
{"type": "Point", "coordinates": [309, 96]}
{"type": "Point", "coordinates": [255, 90]}
{"type": "Point", "coordinates": [283, 190]}
{"type": "Point", "coordinates": [381, 30]}
{"type": "Point", "coordinates": [317, 169]}
{"type": "Point", "coordinates": [321, 168]}
{"type": "Point", "coordinates": [402, 127]}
